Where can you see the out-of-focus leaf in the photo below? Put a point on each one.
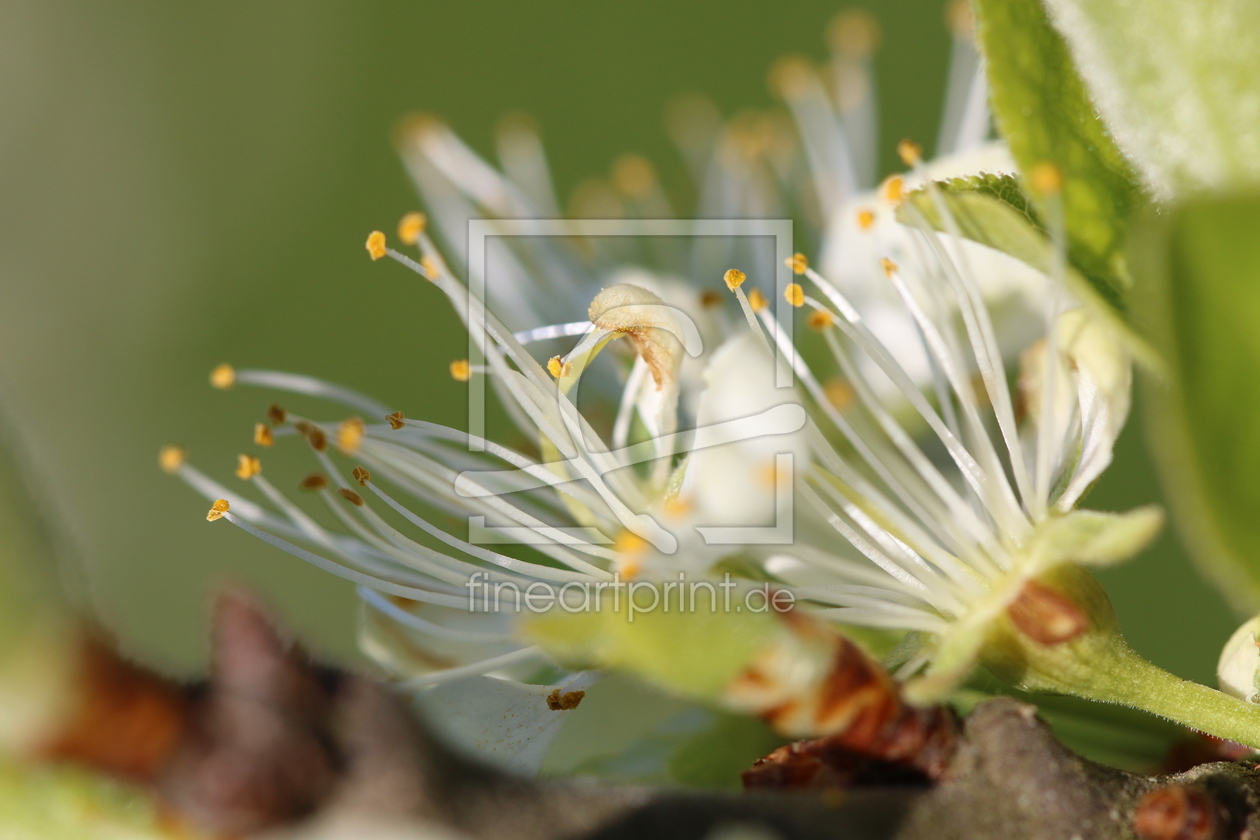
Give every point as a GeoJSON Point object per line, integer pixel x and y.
{"type": "Point", "coordinates": [1175, 81]}
{"type": "Point", "coordinates": [1202, 265]}
{"type": "Point", "coordinates": [65, 803]}
{"type": "Point", "coordinates": [1045, 114]}
{"type": "Point", "coordinates": [989, 210]}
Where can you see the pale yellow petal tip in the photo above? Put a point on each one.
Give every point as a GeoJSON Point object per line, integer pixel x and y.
{"type": "Point", "coordinates": [223, 377]}
{"type": "Point", "coordinates": [798, 263]}
{"type": "Point", "coordinates": [794, 294]}
{"type": "Point", "coordinates": [865, 219]}
{"type": "Point", "coordinates": [361, 475]}
{"type": "Point", "coordinates": [854, 32]}
{"type": "Point", "coordinates": [734, 278]}
{"type": "Point", "coordinates": [894, 190]}
{"type": "Point", "coordinates": [171, 458]}
{"type": "Point", "coordinates": [350, 435]}
{"type": "Point", "coordinates": [910, 152]}
{"type": "Point", "coordinates": [890, 267]}
{"type": "Point", "coordinates": [395, 420]}
{"type": "Point", "coordinates": [376, 245]}
{"type": "Point", "coordinates": [247, 466]}
{"type": "Point", "coordinates": [461, 370]}
{"type": "Point", "coordinates": [633, 176]}
{"type": "Point", "coordinates": [757, 301]}
{"type": "Point", "coordinates": [217, 510]}
{"type": "Point", "coordinates": [263, 435]}
{"type": "Point", "coordinates": [559, 368]}
{"type": "Point", "coordinates": [1045, 178]}
{"type": "Point", "coordinates": [409, 229]}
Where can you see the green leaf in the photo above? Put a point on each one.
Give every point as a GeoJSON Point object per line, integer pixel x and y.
{"type": "Point", "coordinates": [1176, 82]}
{"type": "Point", "coordinates": [991, 210]}
{"type": "Point", "coordinates": [1203, 264]}
{"type": "Point", "coordinates": [1042, 109]}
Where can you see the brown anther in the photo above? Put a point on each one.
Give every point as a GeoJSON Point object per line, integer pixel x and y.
{"type": "Point", "coordinates": [314, 435]}
{"type": "Point", "coordinates": [568, 701]}
{"type": "Point", "coordinates": [734, 278]}
{"type": "Point", "coordinates": [314, 481]}
{"type": "Point", "coordinates": [797, 263]}
{"type": "Point", "coordinates": [910, 152]}
{"type": "Point", "coordinates": [820, 319]}
{"type": "Point", "coordinates": [756, 300]}
{"type": "Point", "coordinates": [171, 458]}
{"type": "Point", "coordinates": [276, 415]}
{"type": "Point", "coordinates": [263, 435]}
{"type": "Point", "coordinates": [1046, 616]}
{"type": "Point", "coordinates": [865, 219]}
{"type": "Point", "coordinates": [217, 510]}
{"type": "Point", "coordinates": [410, 227]}
{"type": "Point", "coordinates": [375, 245]}
{"type": "Point", "coordinates": [247, 466]}
{"type": "Point", "coordinates": [794, 294]}
{"type": "Point", "coordinates": [1177, 812]}
{"type": "Point", "coordinates": [361, 475]}
{"type": "Point", "coordinates": [395, 420]}
{"type": "Point", "coordinates": [710, 299]}
{"type": "Point", "coordinates": [461, 371]}
{"type": "Point", "coordinates": [350, 496]}
{"type": "Point", "coordinates": [223, 377]}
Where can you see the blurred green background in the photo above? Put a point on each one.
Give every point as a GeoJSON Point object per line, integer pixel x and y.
{"type": "Point", "coordinates": [188, 183]}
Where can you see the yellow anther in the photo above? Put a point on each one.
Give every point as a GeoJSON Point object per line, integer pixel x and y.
{"type": "Point", "coordinates": [630, 548]}
{"type": "Point", "coordinates": [839, 393]}
{"type": "Point", "coordinates": [361, 475]}
{"type": "Point", "coordinates": [559, 368]}
{"type": "Point", "coordinates": [756, 300]}
{"type": "Point", "coordinates": [247, 466]}
{"type": "Point", "coordinates": [866, 219]}
{"type": "Point", "coordinates": [350, 435]}
{"type": "Point", "coordinates": [710, 299]}
{"type": "Point", "coordinates": [461, 371]}
{"type": "Point", "coordinates": [910, 152]}
{"type": "Point", "coordinates": [314, 481]}
{"type": "Point", "coordinates": [351, 496]}
{"type": "Point", "coordinates": [171, 458]}
{"type": "Point", "coordinates": [790, 77]}
{"type": "Point", "coordinates": [431, 269]}
{"type": "Point", "coordinates": [1045, 178]}
{"type": "Point", "coordinates": [770, 476]}
{"type": "Point", "coordinates": [633, 176]}
{"type": "Point", "coordinates": [217, 510]}
{"type": "Point", "coordinates": [262, 435]}
{"type": "Point", "coordinates": [734, 278]}
{"type": "Point", "coordinates": [894, 190]}
{"type": "Point", "coordinates": [223, 377]}
{"type": "Point", "coordinates": [820, 319]}
{"type": "Point", "coordinates": [890, 267]}
{"type": "Point", "coordinates": [376, 245]}
{"type": "Point", "coordinates": [678, 507]}
{"type": "Point", "coordinates": [855, 32]}
{"type": "Point", "coordinates": [395, 420]}
{"type": "Point", "coordinates": [960, 19]}
{"type": "Point", "coordinates": [797, 263]}
{"type": "Point", "coordinates": [794, 294]}
{"type": "Point", "coordinates": [276, 414]}
{"type": "Point", "coordinates": [410, 227]}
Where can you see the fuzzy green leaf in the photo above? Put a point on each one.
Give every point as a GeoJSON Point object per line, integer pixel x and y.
{"type": "Point", "coordinates": [1203, 263]}
{"type": "Point", "coordinates": [1045, 114]}
{"type": "Point", "coordinates": [1176, 82]}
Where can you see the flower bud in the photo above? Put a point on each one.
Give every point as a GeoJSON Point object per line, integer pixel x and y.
{"type": "Point", "coordinates": [1238, 670]}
